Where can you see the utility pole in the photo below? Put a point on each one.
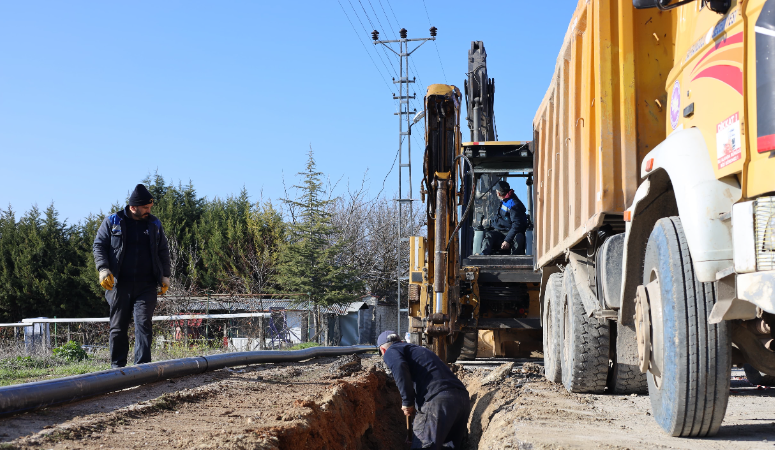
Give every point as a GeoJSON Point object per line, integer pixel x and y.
{"type": "Point", "coordinates": [403, 111]}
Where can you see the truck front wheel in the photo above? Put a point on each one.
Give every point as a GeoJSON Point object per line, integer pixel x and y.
{"type": "Point", "coordinates": [689, 368]}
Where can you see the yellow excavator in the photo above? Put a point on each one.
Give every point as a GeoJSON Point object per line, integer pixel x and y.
{"type": "Point", "coordinates": [460, 300]}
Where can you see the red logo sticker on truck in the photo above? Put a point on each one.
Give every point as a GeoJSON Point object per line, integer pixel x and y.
{"type": "Point", "coordinates": [728, 146]}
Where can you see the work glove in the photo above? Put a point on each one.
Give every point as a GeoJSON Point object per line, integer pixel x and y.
{"type": "Point", "coordinates": [106, 279]}
{"type": "Point", "coordinates": [165, 284]}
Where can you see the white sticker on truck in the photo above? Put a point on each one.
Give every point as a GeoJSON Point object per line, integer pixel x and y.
{"type": "Point", "coordinates": [728, 146]}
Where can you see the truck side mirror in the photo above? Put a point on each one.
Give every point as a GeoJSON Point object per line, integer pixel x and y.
{"type": "Point", "coordinates": [644, 4]}
{"type": "Point", "coordinates": [719, 6]}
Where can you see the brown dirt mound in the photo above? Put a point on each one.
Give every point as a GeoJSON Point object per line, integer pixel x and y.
{"type": "Point", "coordinates": [282, 406]}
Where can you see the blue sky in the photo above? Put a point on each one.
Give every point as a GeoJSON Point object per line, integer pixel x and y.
{"type": "Point", "coordinates": [94, 96]}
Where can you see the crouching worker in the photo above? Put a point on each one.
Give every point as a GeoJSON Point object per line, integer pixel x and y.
{"type": "Point", "coordinates": [508, 224]}
{"type": "Point", "coordinates": [428, 389]}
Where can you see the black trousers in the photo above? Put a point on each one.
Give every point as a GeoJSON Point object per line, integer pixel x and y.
{"type": "Point", "coordinates": [491, 244]}
{"type": "Point", "coordinates": [442, 421]}
{"type": "Point", "coordinates": [131, 299]}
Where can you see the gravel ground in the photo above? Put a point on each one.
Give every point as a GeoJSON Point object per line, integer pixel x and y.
{"type": "Point", "coordinates": [527, 412]}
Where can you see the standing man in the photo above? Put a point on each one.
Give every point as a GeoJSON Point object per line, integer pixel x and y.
{"type": "Point", "coordinates": [133, 260]}
{"type": "Point", "coordinates": [509, 222]}
{"type": "Point", "coordinates": [429, 389]}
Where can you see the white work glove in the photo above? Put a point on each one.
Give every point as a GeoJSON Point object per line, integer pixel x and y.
{"type": "Point", "coordinates": [165, 284]}
{"type": "Point", "coordinates": [106, 279]}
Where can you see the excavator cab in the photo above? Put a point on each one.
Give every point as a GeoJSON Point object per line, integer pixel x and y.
{"type": "Point", "coordinates": [493, 161]}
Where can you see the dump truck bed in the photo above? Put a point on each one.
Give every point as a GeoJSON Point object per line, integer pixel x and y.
{"type": "Point", "coordinates": [596, 123]}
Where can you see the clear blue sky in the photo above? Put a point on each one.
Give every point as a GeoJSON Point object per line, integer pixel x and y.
{"type": "Point", "coordinates": [94, 96]}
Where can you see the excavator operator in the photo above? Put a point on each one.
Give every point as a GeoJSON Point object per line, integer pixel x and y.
{"type": "Point", "coordinates": [507, 225]}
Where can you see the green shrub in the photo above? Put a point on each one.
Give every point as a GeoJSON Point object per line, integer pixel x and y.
{"type": "Point", "coordinates": [71, 351]}
{"type": "Point", "coordinates": [304, 345]}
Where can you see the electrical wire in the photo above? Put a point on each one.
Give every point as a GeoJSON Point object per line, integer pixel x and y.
{"type": "Point", "coordinates": [391, 168]}
{"type": "Point", "coordinates": [373, 27]}
{"type": "Point", "coordinates": [366, 49]}
{"type": "Point", "coordinates": [434, 43]}
{"type": "Point", "coordinates": [367, 33]}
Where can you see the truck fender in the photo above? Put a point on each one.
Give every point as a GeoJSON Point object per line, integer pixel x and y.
{"type": "Point", "coordinates": [679, 181]}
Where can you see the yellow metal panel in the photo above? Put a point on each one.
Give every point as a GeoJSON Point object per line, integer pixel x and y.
{"type": "Point", "coordinates": [562, 147]}
{"type": "Point", "coordinates": [605, 103]}
{"type": "Point", "coordinates": [440, 89]}
{"type": "Point", "coordinates": [628, 133]}
{"type": "Point", "coordinates": [588, 117]}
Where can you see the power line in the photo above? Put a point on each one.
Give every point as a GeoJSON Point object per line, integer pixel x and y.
{"type": "Point", "coordinates": [421, 84]}
{"type": "Point", "coordinates": [367, 33]}
{"type": "Point", "coordinates": [391, 170]}
{"type": "Point", "coordinates": [391, 10]}
{"type": "Point", "coordinates": [434, 43]}
{"type": "Point", "coordinates": [366, 49]}
{"type": "Point", "coordinates": [368, 18]}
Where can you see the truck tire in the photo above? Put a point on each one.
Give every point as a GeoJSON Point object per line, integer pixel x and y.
{"type": "Point", "coordinates": [758, 378]}
{"type": "Point", "coordinates": [623, 377]}
{"type": "Point", "coordinates": [585, 346]}
{"type": "Point", "coordinates": [470, 346]}
{"type": "Point", "coordinates": [553, 322]}
{"type": "Point", "coordinates": [690, 396]}
{"type": "Point", "coordinates": [453, 349]}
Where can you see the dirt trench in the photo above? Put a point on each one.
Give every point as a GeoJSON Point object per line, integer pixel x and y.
{"type": "Point", "coordinates": [268, 406]}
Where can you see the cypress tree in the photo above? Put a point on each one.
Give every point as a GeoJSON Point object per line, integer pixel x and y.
{"type": "Point", "coordinates": [312, 263]}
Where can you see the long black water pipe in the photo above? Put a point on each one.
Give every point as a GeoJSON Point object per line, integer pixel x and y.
{"type": "Point", "coordinates": [29, 396]}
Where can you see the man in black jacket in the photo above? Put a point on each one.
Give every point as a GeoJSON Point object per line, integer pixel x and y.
{"type": "Point", "coordinates": [508, 223]}
{"type": "Point", "coordinates": [133, 260]}
{"type": "Point", "coordinates": [429, 389]}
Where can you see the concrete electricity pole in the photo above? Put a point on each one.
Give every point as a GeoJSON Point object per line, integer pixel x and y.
{"type": "Point", "coordinates": [403, 111]}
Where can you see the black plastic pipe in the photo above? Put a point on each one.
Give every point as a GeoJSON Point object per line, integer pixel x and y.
{"type": "Point", "coordinates": [29, 396]}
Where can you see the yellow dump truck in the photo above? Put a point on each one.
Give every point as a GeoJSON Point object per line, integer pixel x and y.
{"type": "Point", "coordinates": [655, 203]}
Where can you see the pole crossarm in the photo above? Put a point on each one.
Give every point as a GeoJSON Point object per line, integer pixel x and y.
{"type": "Point", "coordinates": [405, 40]}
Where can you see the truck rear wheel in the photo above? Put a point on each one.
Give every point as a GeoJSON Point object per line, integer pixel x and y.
{"type": "Point", "coordinates": [690, 359]}
{"type": "Point", "coordinates": [553, 322]}
{"type": "Point", "coordinates": [585, 346]}
{"type": "Point", "coordinates": [623, 377]}
{"type": "Point", "coordinates": [464, 347]}
{"type": "Point", "coordinates": [470, 346]}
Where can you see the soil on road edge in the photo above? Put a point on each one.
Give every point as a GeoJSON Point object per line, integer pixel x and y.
{"type": "Point", "coordinates": [269, 406]}
{"type": "Point", "coordinates": [528, 412]}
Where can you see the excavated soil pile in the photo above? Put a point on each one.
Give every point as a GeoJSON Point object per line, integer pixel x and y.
{"type": "Point", "coordinates": [269, 406]}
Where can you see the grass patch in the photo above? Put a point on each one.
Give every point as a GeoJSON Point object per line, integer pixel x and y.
{"type": "Point", "coordinates": [304, 345]}
{"type": "Point", "coordinates": [25, 369]}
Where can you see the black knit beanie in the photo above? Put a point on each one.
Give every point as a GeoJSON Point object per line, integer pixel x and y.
{"type": "Point", "coordinates": [502, 187]}
{"type": "Point", "coordinates": [140, 196]}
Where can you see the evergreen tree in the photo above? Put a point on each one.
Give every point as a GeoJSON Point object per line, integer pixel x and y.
{"type": "Point", "coordinates": [311, 263]}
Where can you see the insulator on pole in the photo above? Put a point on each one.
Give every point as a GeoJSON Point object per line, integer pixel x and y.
{"type": "Point", "coordinates": [375, 35]}
{"type": "Point", "coordinates": [402, 32]}
{"type": "Point", "coordinates": [433, 31]}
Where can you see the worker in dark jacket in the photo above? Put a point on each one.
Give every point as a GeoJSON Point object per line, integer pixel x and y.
{"type": "Point", "coordinates": [133, 260]}
{"type": "Point", "coordinates": [507, 224]}
{"type": "Point", "coordinates": [429, 389]}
